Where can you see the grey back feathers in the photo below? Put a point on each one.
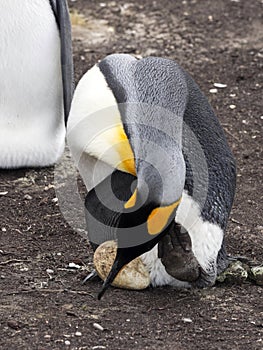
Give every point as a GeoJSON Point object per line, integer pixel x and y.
{"type": "Point", "coordinates": [200, 118]}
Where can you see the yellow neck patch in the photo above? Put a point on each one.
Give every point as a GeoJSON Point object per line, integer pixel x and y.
{"type": "Point", "coordinates": [124, 149]}
{"type": "Point", "coordinates": [159, 217]}
{"type": "Point", "coordinates": [132, 201]}
{"type": "Point", "coordinates": [117, 139]}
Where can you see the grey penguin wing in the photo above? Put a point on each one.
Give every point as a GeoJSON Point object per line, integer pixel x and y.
{"type": "Point", "coordinates": [61, 12]}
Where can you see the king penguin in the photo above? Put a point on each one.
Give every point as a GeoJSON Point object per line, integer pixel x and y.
{"type": "Point", "coordinates": [159, 172]}
{"type": "Point", "coordinates": [36, 82]}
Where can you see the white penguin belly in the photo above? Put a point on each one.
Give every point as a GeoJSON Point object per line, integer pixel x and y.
{"type": "Point", "coordinates": [32, 129]}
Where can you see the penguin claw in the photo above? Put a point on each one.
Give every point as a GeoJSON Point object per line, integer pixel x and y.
{"type": "Point", "coordinates": [92, 275]}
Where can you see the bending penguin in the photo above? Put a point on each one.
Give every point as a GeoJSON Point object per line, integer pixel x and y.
{"type": "Point", "coordinates": [36, 83]}
{"type": "Point", "coordinates": [159, 172]}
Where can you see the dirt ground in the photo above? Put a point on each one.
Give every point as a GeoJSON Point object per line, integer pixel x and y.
{"type": "Point", "coordinates": [43, 304]}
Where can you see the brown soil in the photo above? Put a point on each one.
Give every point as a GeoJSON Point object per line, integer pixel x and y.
{"type": "Point", "coordinates": [216, 41]}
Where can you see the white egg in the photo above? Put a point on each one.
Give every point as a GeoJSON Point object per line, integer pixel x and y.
{"type": "Point", "coordinates": [132, 276]}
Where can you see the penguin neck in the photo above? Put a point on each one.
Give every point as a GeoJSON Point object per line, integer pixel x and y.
{"type": "Point", "coordinates": [161, 177]}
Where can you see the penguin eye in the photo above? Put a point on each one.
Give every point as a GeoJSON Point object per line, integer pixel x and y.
{"type": "Point", "coordinates": [159, 218]}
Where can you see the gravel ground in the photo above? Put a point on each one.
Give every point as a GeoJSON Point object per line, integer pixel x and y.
{"type": "Point", "coordinates": [43, 304]}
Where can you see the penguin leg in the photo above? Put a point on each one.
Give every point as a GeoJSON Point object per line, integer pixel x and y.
{"type": "Point", "coordinates": [175, 252]}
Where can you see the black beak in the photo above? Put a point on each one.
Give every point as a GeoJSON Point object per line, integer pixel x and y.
{"type": "Point", "coordinates": [116, 267]}
{"type": "Point", "coordinates": [124, 256]}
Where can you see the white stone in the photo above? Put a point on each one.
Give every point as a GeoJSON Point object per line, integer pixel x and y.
{"type": "Point", "coordinates": [98, 327]}
{"type": "Point", "coordinates": [213, 91]}
{"type": "Point", "coordinates": [72, 265]}
{"type": "Point", "coordinates": [220, 85]}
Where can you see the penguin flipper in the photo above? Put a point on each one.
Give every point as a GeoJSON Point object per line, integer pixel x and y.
{"type": "Point", "coordinates": [61, 13]}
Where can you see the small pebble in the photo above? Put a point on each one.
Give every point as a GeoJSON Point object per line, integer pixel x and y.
{"type": "Point", "coordinates": [3, 193]}
{"type": "Point", "coordinates": [220, 86]}
{"type": "Point", "coordinates": [27, 197]}
{"type": "Point", "coordinates": [187, 320]}
{"type": "Point", "coordinates": [67, 342]}
{"type": "Point", "coordinates": [23, 268]}
{"type": "Point", "coordinates": [72, 265]}
{"type": "Point", "coordinates": [13, 324]}
{"type": "Point", "coordinates": [257, 273]}
{"type": "Point", "coordinates": [232, 106]}
{"type": "Point", "coordinates": [78, 334]}
{"type": "Point", "coordinates": [49, 271]}
{"type": "Point", "coordinates": [213, 91]}
{"type": "Point", "coordinates": [41, 284]}
{"type": "Point", "coordinates": [98, 347]}
{"type": "Point", "coordinates": [3, 229]}
{"type": "Point", "coordinates": [48, 187]}
{"type": "Point", "coordinates": [98, 327]}
{"type": "Point", "coordinates": [55, 200]}
{"type": "Point", "coordinates": [47, 336]}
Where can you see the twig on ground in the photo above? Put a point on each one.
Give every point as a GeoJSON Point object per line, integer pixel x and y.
{"type": "Point", "coordinates": [13, 261]}
{"type": "Point", "coordinates": [236, 222]}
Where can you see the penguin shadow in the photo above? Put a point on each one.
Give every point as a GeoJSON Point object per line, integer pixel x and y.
{"type": "Point", "coordinates": [14, 174]}
{"type": "Point", "coordinates": [21, 173]}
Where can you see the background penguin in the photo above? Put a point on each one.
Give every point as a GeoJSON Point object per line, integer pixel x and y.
{"type": "Point", "coordinates": [155, 160]}
{"type": "Point", "coordinates": [36, 81]}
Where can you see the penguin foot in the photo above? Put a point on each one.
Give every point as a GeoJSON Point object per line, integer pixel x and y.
{"type": "Point", "coordinates": [175, 252]}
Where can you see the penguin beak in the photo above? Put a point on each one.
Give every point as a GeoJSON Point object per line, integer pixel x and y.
{"type": "Point", "coordinates": [123, 257]}
{"type": "Point", "coordinates": [157, 225]}
{"type": "Point", "coordinates": [118, 264]}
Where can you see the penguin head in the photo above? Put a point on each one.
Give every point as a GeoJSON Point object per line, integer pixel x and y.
{"type": "Point", "coordinates": [147, 215]}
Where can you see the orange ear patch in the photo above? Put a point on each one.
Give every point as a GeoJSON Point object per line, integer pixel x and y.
{"type": "Point", "coordinates": [159, 217]}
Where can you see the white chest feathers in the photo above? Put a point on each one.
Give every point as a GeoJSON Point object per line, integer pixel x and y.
{"type": "Point", "coordinates": [31, 98]}
{"type": "Point", "coordinates": [206, 240]}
